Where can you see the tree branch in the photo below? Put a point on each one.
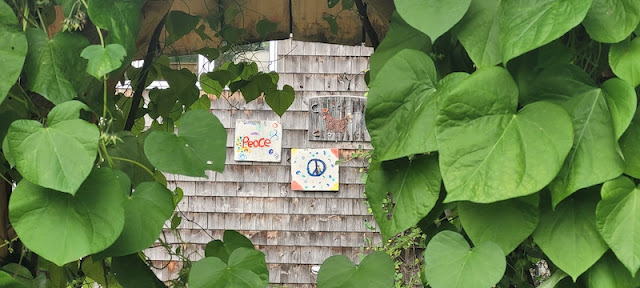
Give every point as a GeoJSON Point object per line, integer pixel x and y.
{"type": "Point", "coordinates": [144, 72]}
{"type": "Point", "coordinates": [368, 28]}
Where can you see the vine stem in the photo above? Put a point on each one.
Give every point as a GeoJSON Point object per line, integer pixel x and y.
{"type": "Point", "coordinates": [135, 163]}
{"type": "Point", "coordinates": [42, 22]}
{"type": "Point", "coordinates": [10, 241]}
{"type": "Point", "coordinates": [106, 154]}
{"type": "Point", "coordinates": [84, 2]}
{"type": "Point", "coordinates": [5, 179]}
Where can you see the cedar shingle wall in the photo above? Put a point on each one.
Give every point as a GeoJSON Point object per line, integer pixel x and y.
{"type": "Point", "coordinates": [296, 230]}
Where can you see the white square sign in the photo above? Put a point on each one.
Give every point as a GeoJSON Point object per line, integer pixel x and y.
{"type": "Point", "coordinates": [258, 140]}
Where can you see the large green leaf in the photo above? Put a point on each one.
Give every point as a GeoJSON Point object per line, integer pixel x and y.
{"type": "Point", "coordinates": [59, 156]}
{"type": "Point", "coordinates": [599, 118]}
{"type": "Point", "coordinates": [624, 59]}
{"type": "Point", "coordinates": [611, 21]}
{"type": "Point", "coordinates": [131, 271]}
{"type": "Point", "coordinates": [246, 268]}
{"type": "Point", "coordinates": [374, 271]}
{"type": "Point", "coordinates": [131, 147]}
{"type": "Point", "coordinates": [121, 18]}
{"type": "Point", "coordinates": [179, 24]}
{"type": "Point", "coordinates": [432, 17]}
{"type": "Point", "coordinates": [616, 220]}
{"type": "Point", "coordinates": [96, 270]}
{"type": "Point", "coordinates": [568, 235]}
{"type": "Point", "coordinates": [556, 83]}
{"type": "Point", "coordinates": [13, 49]}
{"type": "Point", "coordinates": [525, 26]}
{"type": "Point", "coordinates": [488, 152]}
{"type": "Point", "coordinates": [403, 191]}
{"type": "Point", "coordinates": [61, 227]}
{"type": "Point", "coordinates": [478, 32]}
{"type": "Point", "coordinates": [401, 117]}
{"type": "Point", "coordinates": [54, 68]}
{"type": "Point", "coordinates": [630, 148]}
{"type": "Point", "coordinates": [200, 145]}
{"type": "Point", "coordinates": [399, 37]}
{"type": "Point", "coordinates": [103, 60]}
{"type": "Point", "coordinates": [7, 281]}
{"type": "Point", "coordinates": [231, 240]}
{"type": "Point", "coordinates": [506, 223]}
{"type": "Point", "coordinates": [621, 101]}
{"type": "Point", "coordinates": [552, 281]}
{"type": "Point", "coordinates": [145, 211]}
{"type": "Point", "coordinates": [608, 272]}
{"type": "Point", "coordinates": [183, 84]}
{"type": "Point", "coordinates": [250, 259]}
{"type": "Point", "coordinates": [69, 110]}
{"type": "Point", "coordinates": [449, 262]}
{"type": "Point", "coordinates": [280, 100]}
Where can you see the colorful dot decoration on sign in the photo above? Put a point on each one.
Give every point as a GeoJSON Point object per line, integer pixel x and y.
{"type": "Point", "coordinates": [258, 141]}
{"type": "Point", "coordinates": [314, 170]}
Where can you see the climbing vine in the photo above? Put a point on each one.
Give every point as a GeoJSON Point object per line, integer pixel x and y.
{"type": "Point", "coordinates": [508, 132]}
{"type": "Point", "coordinates": [84, 174]}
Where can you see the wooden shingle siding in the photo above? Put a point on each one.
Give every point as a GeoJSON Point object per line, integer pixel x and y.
{"type": "Point", "coordinates": [296, 230]}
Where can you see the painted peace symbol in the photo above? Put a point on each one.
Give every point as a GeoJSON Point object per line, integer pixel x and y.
{"type": "Point", "coordinates": [316, 167]}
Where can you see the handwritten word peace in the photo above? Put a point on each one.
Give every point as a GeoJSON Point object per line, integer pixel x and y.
{"type": "Point", "coordinates": [262, 142]}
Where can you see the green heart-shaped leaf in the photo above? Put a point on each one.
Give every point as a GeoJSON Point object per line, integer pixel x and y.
{"type": "Point", "coordinates": [506, 223]}
{"type": "Point", "coordinates": [478, 32]}
{"type": "Point", "coordinates": [403, 191]}
{"type": "Point", "coordinates": [432, 17]}
{"type": "Point", "coordinates": [264, 27]}
{"type": "Point", "coordinates": [183, 84]}
{"type": "Point", "coordinates": [399, 37]}
{"type": "Point", "coordinates": [401, 117]}
{"type": "Point", "coordinates": [103, 60]}
{"type": "Point", "coordinates": [609, 272]}
{"type": "Point", "coordinates": [200, 145]}
{"type": "Point", "coordinates": [616, 216]}
{"type": "Point", "coordinates": [611, 21]}
{"type": "Point", "coordinates": [488, 152]}
{"type": "Point", "coordinates": [569, 236]}
{"type": "Point", "coordinates": [375, 271]}
{"type": "Point", "coordinates": [599, 116]}
{"type": "Point", "coordinates": [54, 67]}
{"type": "Point", "coordinates": [256, 86]}
{"type": "Point", "coordinates": [624, 59]}
{"type": "Point", "coordinates": [130, 147]}
{"type": "Point", "coordinates": [243, 264]}
{"type": "Point", "coordinates": [280, 100]}
{"type": "Point", "coordinates": [179, 24]}
{"type": "Point", "coordinates": [449, 262]}
{"type": "Point", "coordinates": [629, 147]}
{"type": "Point", "coordinates": [69, 110]}
{"type": "Point", "coordinates": [145, 212]}
{"type": "Point", "coordinates": [524, 27]}
{"type": "Point", "coordinates": [120, 17]}
{"type": "Point", "coordinates": [231, 240]}
{"type": "Point", "coordinates": [133, 271]}
{"type": "Point", "coordinates": [61, 227]}
{"type": "Point", "coordinates": [13, 49]}
{"type": "Point", "coordinates": [59, 156]}
{"type": "Point", "coordinates": [7, 281]}
{"type": "Point", "coordinates": [95, 270]}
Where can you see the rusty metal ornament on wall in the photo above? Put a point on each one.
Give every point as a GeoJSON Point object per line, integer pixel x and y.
{"type": "Point", "coordinates": [337, 118]}
{"type": "Point", "coordinates": [258, 140]}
